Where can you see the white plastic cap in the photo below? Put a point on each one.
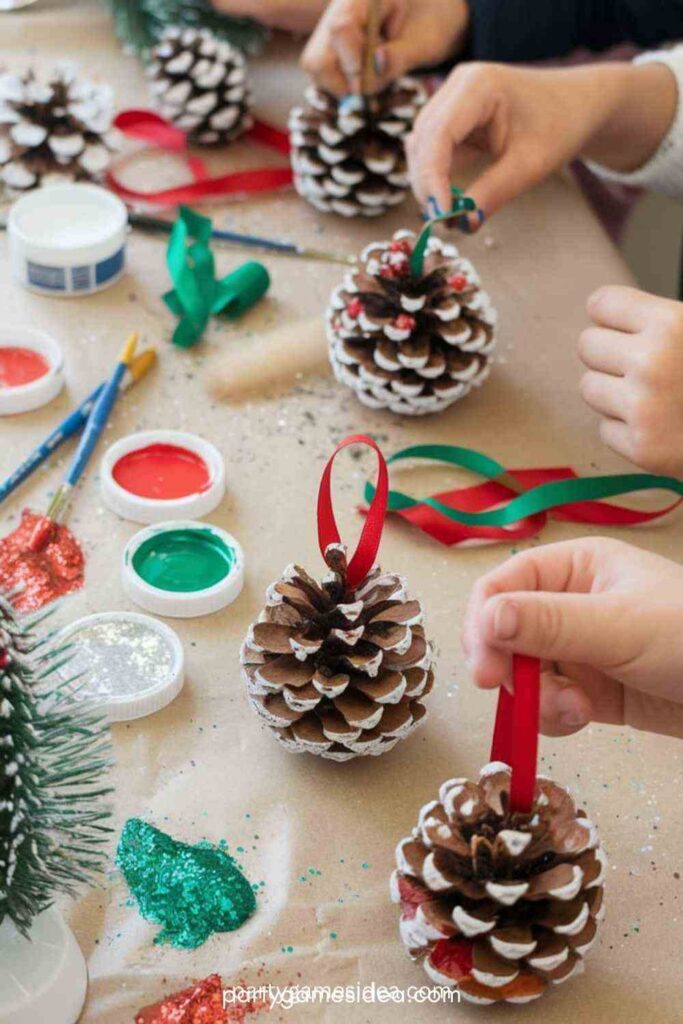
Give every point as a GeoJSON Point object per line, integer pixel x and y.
{"type": "Point", "coordinates": [27, 397]}
{"type": "Point", "coordinates": [184, 604]}
{"type": "Point", "coordinates": [124, 705]}
{"type": "Point", "coordinates": [155, 510]}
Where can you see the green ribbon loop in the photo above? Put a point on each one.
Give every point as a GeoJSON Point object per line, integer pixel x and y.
{"type": "Point", "coordinates": [461, 204]}
{"type": "Point", "coordinates": [543, 498]}
{"type": "Point", "coordinates": [197, 295]}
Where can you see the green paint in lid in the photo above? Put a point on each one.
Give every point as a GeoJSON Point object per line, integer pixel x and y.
{"type": "Point", "coordinates": [184, 560]}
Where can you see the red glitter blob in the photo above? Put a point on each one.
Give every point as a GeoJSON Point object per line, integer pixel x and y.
{"type": "Point", "coordinates": [354, 308]}
{"type": "Point", "coordinates": [400, 245]}
{"type": "Point", "coordinates": [40, 576]}
{"type": "Point", "coordinates": [201, 1003]}
{"type": "Point", "coordinates": [458, 283]}
{"type": "Point", "coordinates": [386, 271]}
{"type": "Point", "coordinates": [404, 322]}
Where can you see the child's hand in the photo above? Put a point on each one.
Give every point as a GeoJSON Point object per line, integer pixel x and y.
{"type": "Point", "coordinates": [530, 122]}
{"type": "Point", "coordinates": [413, 34]}
{"type": "Point", "coordinates": [634, 355]}
{"type": "Point", "coordinates": [607, 619]}
{"type": "Point", "coordinates": [293, 15]}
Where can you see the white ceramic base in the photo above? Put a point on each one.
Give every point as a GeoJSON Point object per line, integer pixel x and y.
{"type": "Point", "coordinates": [42, 980]}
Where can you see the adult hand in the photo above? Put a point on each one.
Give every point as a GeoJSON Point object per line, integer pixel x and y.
{"type": "Point", "coordinates": [607, 620]}
{"type": "Point", "coordinates": [412, 35]}
{"type": "Point", "coordinates": [634, 355]}
{"type": "Point", "coordinates": [293, 15]}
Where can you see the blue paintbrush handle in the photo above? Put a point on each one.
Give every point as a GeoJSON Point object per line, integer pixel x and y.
{"type": "Point", "coordinates": [95, 425]}
{"type": "Point", "coordinates": [66, 429]}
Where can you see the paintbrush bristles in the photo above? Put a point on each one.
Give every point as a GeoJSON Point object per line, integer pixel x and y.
{"type": "Point", "coordinates": [128, 350]}
{"type": "Point", "coordinates": [273, 363]}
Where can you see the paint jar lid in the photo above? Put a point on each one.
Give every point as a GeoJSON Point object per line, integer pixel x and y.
{"type": "Point", "coordinates": [35, 361]}
{"type": "Point", "coordinates": [158, 475]}
{"type": "Point", "coordinates": [183, 569]}
{"type": "Point", "coordinates": [125, 664]}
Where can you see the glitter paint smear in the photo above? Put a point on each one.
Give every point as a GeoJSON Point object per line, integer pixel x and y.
{"type": "Point", "coordinates": [119, 658]}
{"type": "Point", "coordinates": [162, 472]}
{"type": "Point", "coordinates": [201, 1003]}
{"type": "Point", "coordinates": [40, 577]}
{"type": "Point", "coordinates": [183, 561]}
{"type": "Point", "coordinates": [21, 366]}
{"type": "Point", "coordinates": [191, 891]}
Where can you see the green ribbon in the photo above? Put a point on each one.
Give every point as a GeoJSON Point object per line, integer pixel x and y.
{"type": "Point", "coordinates": [539, 499]}
{"type": "Point", "coordinates": [461, 204]}
{"type": "Point", "coordinates": [197, 295]}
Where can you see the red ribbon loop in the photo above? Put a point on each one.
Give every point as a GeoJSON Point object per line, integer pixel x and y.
{"type": "Point", "coordinates": [152, 128]}
{"type": "Point", "coordinates": [328, 533]}
{"type": "Point", "coordinates": [515, 736]}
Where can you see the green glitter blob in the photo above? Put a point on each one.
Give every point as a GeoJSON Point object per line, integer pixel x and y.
{"type": "Point", "coordinates": [183, 561]}
{"type": "Point", "coordinates": [192, 891]}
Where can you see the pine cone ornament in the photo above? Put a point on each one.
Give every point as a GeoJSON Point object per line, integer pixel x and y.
{"type": "Point", "coordinates": [199, 83]}
{"type": "Point", "coordinates": [338, 671]}
{"type": "Point", "coordinates": [501, 904]}
{"type": "Point", "coordinates": [54, 132]}
{"type": "Point", "coordinates": [413, 345]}
{"type": "Point", "coordinates": [351, 160]}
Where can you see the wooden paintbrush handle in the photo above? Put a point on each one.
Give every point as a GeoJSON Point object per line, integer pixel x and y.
{"type": "Point", "coordinates": [372, 30]}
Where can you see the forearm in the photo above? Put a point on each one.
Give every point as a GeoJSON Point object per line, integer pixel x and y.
{"type": "Point", "coordinates": [523, 30]}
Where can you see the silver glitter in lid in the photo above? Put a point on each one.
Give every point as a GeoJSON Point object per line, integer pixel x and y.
{"type": "Point", "coordinates": [126, 664]}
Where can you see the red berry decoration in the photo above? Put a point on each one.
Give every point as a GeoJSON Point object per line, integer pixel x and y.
{"type": "Point", "coordinates": [355, 308]}
{"type": "Point", "coordinates": [458, 283]}
{"type": "Point", "coordinates": [400, 245]}
{"type": "Point", "coordinates": [404, 322]}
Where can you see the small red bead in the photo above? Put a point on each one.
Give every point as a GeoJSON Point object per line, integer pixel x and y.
{"type": "Point", "coordinates": [458, 283]}
{"type": "Point", "coordinates": [354, 308]}
{"type": "Point", "coordinates": [386, 271]}
{"type": "Point", "coordinates": [405, 322]}
{"type": "Point", "coordinates": [400, 245]}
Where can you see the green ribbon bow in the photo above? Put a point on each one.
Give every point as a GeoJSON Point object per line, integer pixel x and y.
{"type": "Point", "coordinates": [197, 295]}
{"type": "Point", "coordinates": [461, 204]}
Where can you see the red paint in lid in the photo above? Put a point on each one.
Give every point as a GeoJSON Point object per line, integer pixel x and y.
{"type": "Point", "coordinates": [20, 366]}
{"type": "Point", "coordinates": [162, 472]}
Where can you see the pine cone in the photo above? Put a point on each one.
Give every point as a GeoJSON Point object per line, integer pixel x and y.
{"type": "Point", "coordinates": [55, 132]}
{"type": "Point", "coordinates": [352, 161]}
{"type": "Point", "coordinates": [199, 83]}
{"type": "Point", "coordinates": [500, 904]}
{"type": "Point", "coordinates": [334, 671]}
{"type": "Point", "coordinates": [411, 345]}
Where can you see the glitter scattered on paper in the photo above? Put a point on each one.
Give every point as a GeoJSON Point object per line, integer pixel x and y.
{"type": "Point", "coordinates": [202, 1003]}
{"type": "Point", "coordinates": [43, 576]}
{"type": "Point", "coordinates": [191, 891]}
{"type": "Point", "coordinates": [119, 657]}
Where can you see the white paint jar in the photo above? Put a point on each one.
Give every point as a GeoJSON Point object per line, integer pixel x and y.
{"type": "Point", "coordinates": [67, 240]}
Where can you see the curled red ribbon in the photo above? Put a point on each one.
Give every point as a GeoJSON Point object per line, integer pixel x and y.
{"type": "Point", "coordinates": [515, 736]}
{"type": "Point", "coordinates": [152, 128]}
{"type": "Point", "coordinates": [371, 535]}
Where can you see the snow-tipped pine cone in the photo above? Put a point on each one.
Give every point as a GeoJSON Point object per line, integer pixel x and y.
{"type": "Point", "coordinates": [200, 83]}
{"type": "Point", "coordinates": [500, 904]}
{"type": "Point", "coordinates": [350, 159]}
{"type": "Point", "coordinates": [413, 345]}
{"type": "Point", "coordinates": [336, 671]}
{"type": "Point", "coordinates": [54, 131]}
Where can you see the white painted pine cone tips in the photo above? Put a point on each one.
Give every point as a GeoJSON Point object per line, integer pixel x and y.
{"type": "Point", "coordinates": [335, 671]}
{"type": "Point", "coordinates": [411, 345]}
{"type": "Point", "coordinates": [55, 131]}
{"type": "Point", "coordinates": [351, 160]}
{"type": "Point", "coordinates": [502, 905]}
{"type": "Point", "coordinates": [200, 83]}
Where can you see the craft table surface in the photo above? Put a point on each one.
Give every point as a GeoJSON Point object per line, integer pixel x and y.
{"type": "Point", "coordinates": [321, 836]}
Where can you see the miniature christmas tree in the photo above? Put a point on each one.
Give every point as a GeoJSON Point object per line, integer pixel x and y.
{"type": "Point", "coordinates": [53, 753]}
{"type": "Point", "coordinates": [141, 23]}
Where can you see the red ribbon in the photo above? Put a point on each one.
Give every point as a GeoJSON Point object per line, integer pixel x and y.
{"type": "Point", "coordinates": [481, 497]}
{"type": "Point", "coordinates": [515, 736]}
{"type": "Point", "coordinates": [371, 535]}
{"type": "Point", "coordinates": [152, 128]}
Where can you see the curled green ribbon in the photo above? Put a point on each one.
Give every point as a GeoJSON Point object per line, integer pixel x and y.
{"type": "Point", "coordinates": [197, 295]}
{"type": "Point", "coordinates": [461, 204]}
{"type": "Point", "coordinates": [543, 498]}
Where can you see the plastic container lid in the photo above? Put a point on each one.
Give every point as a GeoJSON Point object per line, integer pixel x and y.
{"type": "Point", "coordinates": [153, 462]}
{"type": "Point", "coordinates": [42, 977]}
{"type": "Point", "coordinates": [183, 569]}
{"type": "Point", "coordinates": [133, 664]}
{"type": "Point", "coordinates": [42, 389]}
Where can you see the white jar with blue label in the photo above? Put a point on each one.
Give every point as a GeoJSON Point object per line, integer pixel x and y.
{"type": "Point", "coordinates": [68, 240]}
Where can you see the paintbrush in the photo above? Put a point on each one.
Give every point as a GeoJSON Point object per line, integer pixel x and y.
{"type": "Point", "coordinates": [74, 422]}
{"type": "Point", "coordinates": [158, 225]}
{"type": "Point", "coordinates": [94, 426]}
{"type": "Point", "coordinates": [372, 30]}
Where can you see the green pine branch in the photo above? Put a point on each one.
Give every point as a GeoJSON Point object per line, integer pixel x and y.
{"type": "Point", "coordinates": [140, 23]}
{"type": "Point", "coordinates": [54, 753]}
